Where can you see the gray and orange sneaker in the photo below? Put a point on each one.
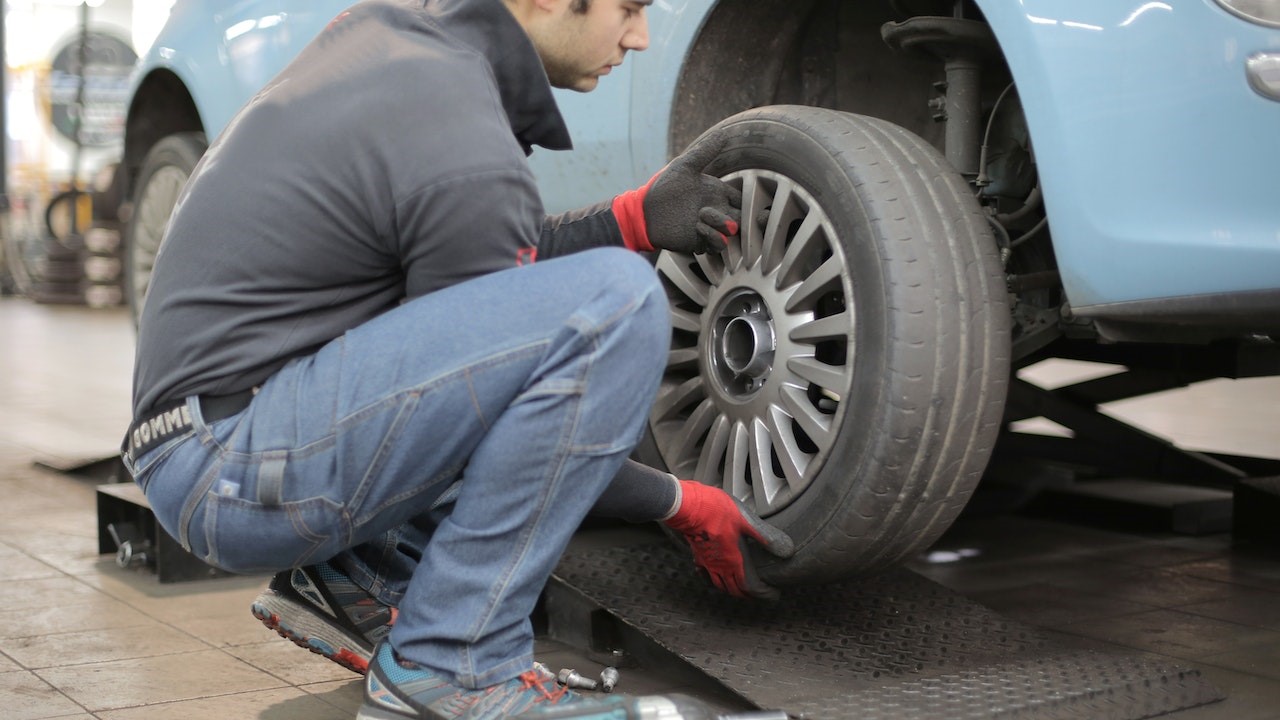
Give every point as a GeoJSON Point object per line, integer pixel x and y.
{"type": "Point", "coordinates": [396, 689]}
{"type": "Point", "coordinates": [324, 611]}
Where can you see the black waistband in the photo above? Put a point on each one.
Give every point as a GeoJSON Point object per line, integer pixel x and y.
{"type": "Point", "coordinates": [167, 421]}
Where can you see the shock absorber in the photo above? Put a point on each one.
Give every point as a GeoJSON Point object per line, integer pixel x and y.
{"type": "Point", "coordinates": [963, 46]}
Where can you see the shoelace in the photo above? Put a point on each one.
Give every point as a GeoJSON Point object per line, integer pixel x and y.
{"type": "Point", "coordinates": [532, 681]}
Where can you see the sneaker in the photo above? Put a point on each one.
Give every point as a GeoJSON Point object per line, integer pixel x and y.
{"type": "Point", "coordinates": [396, 689]}
{"type": "Point", "coordinates": [321, 609]}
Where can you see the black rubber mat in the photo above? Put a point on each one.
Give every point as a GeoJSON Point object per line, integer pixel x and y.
{"type": "Point", "coordinates": [892, 646]}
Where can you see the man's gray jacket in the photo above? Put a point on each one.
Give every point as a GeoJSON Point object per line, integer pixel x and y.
{"type": "Point", "coordinates": [388, 160]}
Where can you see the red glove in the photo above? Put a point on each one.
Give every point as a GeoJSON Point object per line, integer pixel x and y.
{"type": "Point", "coordinates": [716, 527]}
{"type": "Point", "coordinates": [681, 208]}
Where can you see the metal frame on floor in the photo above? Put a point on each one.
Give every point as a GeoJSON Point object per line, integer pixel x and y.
{"type": "Point", "coordinates": [1111, 447]}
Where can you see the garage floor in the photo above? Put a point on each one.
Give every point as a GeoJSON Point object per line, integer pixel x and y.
{"type": "Point", "coordinates": [81, 638]}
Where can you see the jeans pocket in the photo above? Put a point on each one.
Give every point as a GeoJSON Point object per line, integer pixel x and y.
{"type": "Point", "coordinates": [248, 537]}
{"type": "Point", "coordinates": [143, 467]}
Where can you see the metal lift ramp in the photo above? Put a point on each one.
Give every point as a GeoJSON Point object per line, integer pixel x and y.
{"type": "Point", "coordinates": [889, 647]}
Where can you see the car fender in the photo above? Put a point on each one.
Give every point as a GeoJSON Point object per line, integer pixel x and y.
{"type": "Point", "coordinates": [1155, 157]}
{"type": "Point", "coordinates": [1153, 152]}
{"type": "Point", "coordinates": [224, 65]}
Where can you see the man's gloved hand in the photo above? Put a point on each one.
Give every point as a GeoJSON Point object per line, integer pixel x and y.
{"type": "Point", "coordinates": [681, 208]}
{"type": "Point", "coordinates": [716, 526]}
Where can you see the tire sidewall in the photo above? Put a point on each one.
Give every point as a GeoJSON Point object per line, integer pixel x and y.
{"type": "Point", "coordinates": [181, 150]}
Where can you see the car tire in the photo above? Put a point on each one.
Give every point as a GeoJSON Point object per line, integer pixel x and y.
{"type": "Point", "coordinates": [842, 367]}
{"type": "Point", "coordinates": [164, 172]}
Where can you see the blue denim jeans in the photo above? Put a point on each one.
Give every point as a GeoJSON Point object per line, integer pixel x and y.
{"type": "Point", "coordinates": [477, 425]}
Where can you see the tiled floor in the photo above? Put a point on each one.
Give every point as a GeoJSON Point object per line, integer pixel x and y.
{"type": "Point", "coordinates": [81, 638]}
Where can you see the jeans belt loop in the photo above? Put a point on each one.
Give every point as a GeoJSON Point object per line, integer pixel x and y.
{"type": "Point", "coordinates": [271, 477]}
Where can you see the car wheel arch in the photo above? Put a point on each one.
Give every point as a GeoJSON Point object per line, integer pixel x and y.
{"type": "Point", "coordinates": [161, 106]}
{"type": "Point", "coordinates": [750, 53]}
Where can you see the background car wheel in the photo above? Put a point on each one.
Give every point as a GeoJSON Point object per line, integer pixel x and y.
{"type": "Point", "coordinates": [843, 367]}
{"type": "Point", "coordinates": [164, 172]}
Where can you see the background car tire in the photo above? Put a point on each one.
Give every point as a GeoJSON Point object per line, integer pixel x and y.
{"type": "Point", "coordinates": [893, 290]}
{"type": "Point", "coordinates": [165, 170]}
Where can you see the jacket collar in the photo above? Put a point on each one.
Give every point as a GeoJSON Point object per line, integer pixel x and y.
{"type": "Point", "coordinates": [491, 29]}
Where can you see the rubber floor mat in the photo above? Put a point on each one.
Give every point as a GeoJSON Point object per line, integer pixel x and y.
{"type": "Point", "coordinates": [892, 646]}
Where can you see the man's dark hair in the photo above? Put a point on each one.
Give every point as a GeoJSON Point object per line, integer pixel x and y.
{"type": "Point", "coordinates": [580, 6]}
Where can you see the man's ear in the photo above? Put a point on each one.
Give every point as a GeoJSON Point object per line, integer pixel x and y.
{"type": "Point", "coordinates": [527, 9]}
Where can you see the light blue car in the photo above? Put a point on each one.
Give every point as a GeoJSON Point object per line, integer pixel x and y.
{"type": "Point", "coordinates": [937, 193]}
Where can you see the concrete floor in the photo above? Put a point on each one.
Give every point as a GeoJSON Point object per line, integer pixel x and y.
{"type": "Point", "coordinates": [81, 638]}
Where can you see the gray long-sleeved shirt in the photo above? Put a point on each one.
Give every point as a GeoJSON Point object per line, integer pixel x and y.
{"type": "Point", "coordinates": [387, 161]}
{"type": "Point", "coordinates": [347, 186]}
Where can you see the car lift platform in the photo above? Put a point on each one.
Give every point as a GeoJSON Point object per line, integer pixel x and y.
{"type": "Point", "coordinates": [894, 645]}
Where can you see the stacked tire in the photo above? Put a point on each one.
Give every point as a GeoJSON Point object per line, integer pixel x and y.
{"type": "Point", "coordinates": [58, 273]}
{"type": "Point", "coordinates": [66, 266]}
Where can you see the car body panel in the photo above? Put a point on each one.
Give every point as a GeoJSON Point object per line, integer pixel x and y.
{"type": "Point", "coordinates": [1156, 158]}
{"type": "Point", "coordinates": [225, 52]}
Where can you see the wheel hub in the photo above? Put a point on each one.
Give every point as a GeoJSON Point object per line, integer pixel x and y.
{"type": "Point", "coordinates": [742, 342]}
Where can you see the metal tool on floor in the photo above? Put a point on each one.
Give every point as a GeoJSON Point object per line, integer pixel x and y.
{"type": "Point", "coordinates": [570, 678]}
{"type": "Point", "coordinates": [674, 706]}
{"type": "Point", "coordinates": [608, 679]}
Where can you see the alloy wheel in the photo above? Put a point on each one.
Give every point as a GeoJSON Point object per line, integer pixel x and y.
{"type": "Point", "coordinates": [762, 349]}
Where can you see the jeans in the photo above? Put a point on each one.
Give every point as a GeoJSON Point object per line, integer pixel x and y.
{"type": "Point", "coordinates": [479, 423]}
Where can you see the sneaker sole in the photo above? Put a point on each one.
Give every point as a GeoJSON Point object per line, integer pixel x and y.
{"type": "Point", "coordinates": [310, 632]}
{"type": "Point", "coordinates": [374, 713]}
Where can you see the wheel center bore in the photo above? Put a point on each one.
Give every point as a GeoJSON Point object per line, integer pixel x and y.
{"type": "Point", "coordinates": [747, 345]}
{"type": "Point", "coordinates": [743, 343]}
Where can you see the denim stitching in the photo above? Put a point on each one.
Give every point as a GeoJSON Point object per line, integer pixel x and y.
{"type": "Point", "coordinates": [417, 393]}
{"type": "Point", "coordinates": [427, 385]}
{"type": "Point", "coordinates": [300, 526]}
{"type": "Point", "coordinates": [140, 471]}
{"type": "Point", "coordinates": [408, 404]}
{"type": "Point", "coordinates": [564, 450]}
{"type": "Point", "coordinates": [366, 517]}
{"type": "Point", "coordinates": [475, 401]}
{"type": "Point", "coordinates": [196, 496]}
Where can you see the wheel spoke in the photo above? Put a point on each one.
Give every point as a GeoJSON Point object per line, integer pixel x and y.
{"type": "Point", "coordinates": [803, 245]}
{"type": "Point", "coordinates": [794, 461]}
{"type": "Point", "coordinates": [685, 442]}
{"type": "Point", "coordinates": [685, 320]}
{"type": "Point", "coordinates": [737, 463]}
{"type": "Point", "coordinates": [750, 232]}
{"type": "Point", "coordinates": [818, 282]}
{"type": "Point", "coordinates": [766, 484]}
{"type": "Point", "coordinates": [827, 328]}
{"type": "Point", "coordinates": [816, 424]}
{"type": "Point", "coordinates": [676, 269]}
{"type": "Point", "coordinates": [713, 449]}
{"type": "Point", "coordinates": [775, 236]}
{"type": "Point", "coordinates": [682, 357]}
{"type": "Point", "coordinates": [671, 402]}
{"type": "Point", "coordinates": [712, 265]}
{"type": "Point", "coordinates": [825, 376]}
